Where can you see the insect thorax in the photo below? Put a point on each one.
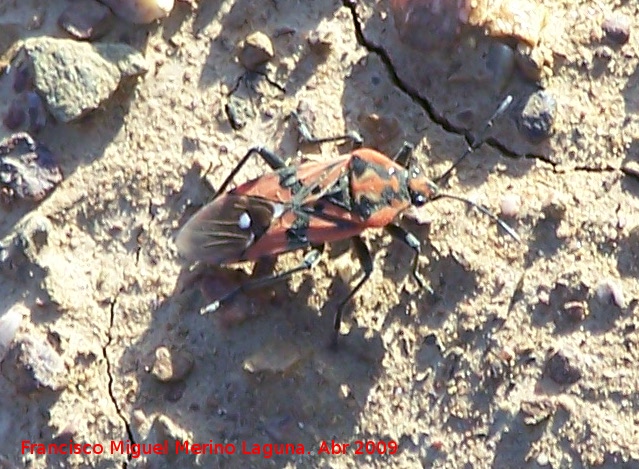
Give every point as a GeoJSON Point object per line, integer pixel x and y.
{"type": "Point", "coordinates": [375, 186]}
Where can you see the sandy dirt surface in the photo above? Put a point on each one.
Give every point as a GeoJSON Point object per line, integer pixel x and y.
{"type": "Point", "coordinates": [526, 356]}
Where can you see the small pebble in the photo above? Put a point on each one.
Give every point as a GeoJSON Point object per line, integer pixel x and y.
{"type": "Point", "coordinates": [321, 40]}
{"type": "Point", "coordinates": [506, 354]}
{"type": "Point", "coordinates": [27, 169]}
{"type": "Point", "coordinates": [275, 357]}
{"type": "Point", "coordinates": [536, 411]}
{"type": "Point", "coordinates": [561, 369]}
{"type": "Point", "coordinates": [543, 459]}
{"type": "Point", "coordinates": [163, 429]}
{"type": "Point", "coordinates": [617, 28]}
{"type": "Point", "coordinates": [72, 91]}
{"type": "Point", "coordinates": [555, 205]}
{"type": "Point", "coordinates": [575, 311]}
{"type": "Point", "coordinates": [238, 111]}
{"type": "Point", "coordinates": [501, 63]}
{"type": "Point", "coordinates": [510, 205]}
{"type": "Point", "coordinates": [610, 291]}
{"type": "Point", "coordinates": [9, 325]}
{"type": "Point", "coordinates": [171, 367]}
{"type": "Point", "coordinates": [86, 20]}
{"type": "Point", "coordinates": [538, 117]}
{"type": "Point", "coordinates": [174, 391]}
{"type": "Point", "coordinates": [257, 50]}
{"type": "Point", "coordinates": [34, 364]}
{"type": "Point", "coordinates": [437, 445]}
{"type": "Point", "coordinates": [33, 234]}
{"type": "Point", "coordinates": [140, 11]}
{"type": "Point", "coordinates": [631, 168]}
{"type": "Point", "coordinates": [530, 61]}
{"type": "Point", "coordinates": [543, 296]}
{"type": "Point", "coordinates": [603, 52]}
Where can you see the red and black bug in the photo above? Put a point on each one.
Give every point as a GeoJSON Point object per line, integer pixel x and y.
{"type": "Point", "coordinates": [309, 205]}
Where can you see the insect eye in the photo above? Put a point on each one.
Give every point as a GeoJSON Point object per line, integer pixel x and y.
{"type": "Point", "coordinates": [418, 199]}
{"type": "Point", "coordinates": [244, 222]}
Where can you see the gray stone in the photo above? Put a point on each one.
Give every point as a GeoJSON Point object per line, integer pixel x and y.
{"type": "Point", "coordinates": [171, 366]}
{"type": "Point", "coordinates": [75, 77]}
{"type": "Point", "coordinates": [33, 364]}
{"type": "Point", "coordinates": [256, 51]}
{"type": "Point", "coordinates": [28, 170]}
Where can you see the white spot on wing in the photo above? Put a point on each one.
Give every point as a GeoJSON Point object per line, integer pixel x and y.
{"type": "Point", "coordinates": [244, 221]}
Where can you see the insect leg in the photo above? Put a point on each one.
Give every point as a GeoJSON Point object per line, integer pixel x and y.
{"type": "Point", "coordinates": [274, 161]}
{"type": "Point", "coordinates": [366, 260]}
{"type": "Point", "coordinates": [404, 153]}
{"type": "Point", "coordinates": [306, 136]}
{"type": "Point", "coordinates": [309, 261]}
{"type": "Point", "coordinates": [412, 242]}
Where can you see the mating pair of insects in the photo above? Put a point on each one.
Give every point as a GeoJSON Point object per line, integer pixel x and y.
{"type": "Point", "coordinates": [313, 203]}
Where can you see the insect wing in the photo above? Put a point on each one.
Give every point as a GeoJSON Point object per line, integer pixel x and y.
{"type": "Point", "coordinates": [330, 224]}
{"type": "Point", "coordinates": [333, 223]}
{"type": "Point", "coordinates": [277, 240]}
{"type": "Point", "coordinates": [221, 231]}
{"type": "Point", "coordinates": [305, 183]}
{"type": "Point", "coordinates": [318, 178]}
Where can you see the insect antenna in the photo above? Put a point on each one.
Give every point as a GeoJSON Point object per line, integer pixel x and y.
{"type": "Point", "coordinates": [479, 141]}
{"type": "Point", "coordinates": [512, 233]}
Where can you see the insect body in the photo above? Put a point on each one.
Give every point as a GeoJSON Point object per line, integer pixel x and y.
{"type": "Point", "coordinates": [301, 206]}
{"type": "Point", "coordinates": [307, 206]}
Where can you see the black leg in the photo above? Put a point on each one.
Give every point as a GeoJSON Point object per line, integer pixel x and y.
{"type": "Point", "coordinates": [274, 161]}
{"type": "Point", "coordinates": [249, 77]}
{"type": "Point", "coordinates": [403, 154]}
{"type": "Point", "coordinates": [412, 242]}
{"type": "Point", "coordinates": [366, 260]}
{"type": "Point", "coordinates": [310, 260]}
{"type": "Point", "coordinates": [306, 136]}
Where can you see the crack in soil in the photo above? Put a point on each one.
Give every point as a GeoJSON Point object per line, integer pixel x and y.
{"type": "Point", "coordinates": [428, 107]}
{"type": "Point", "coordinates": [111, 380]}
{"type": "Point", "coordinates": [390, 68]}
{"type": "Point", "coordinates": [407, 89]}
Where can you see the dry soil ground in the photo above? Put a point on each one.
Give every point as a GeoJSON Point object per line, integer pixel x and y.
{"type": "Point", "coordinates": [523, 358]}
